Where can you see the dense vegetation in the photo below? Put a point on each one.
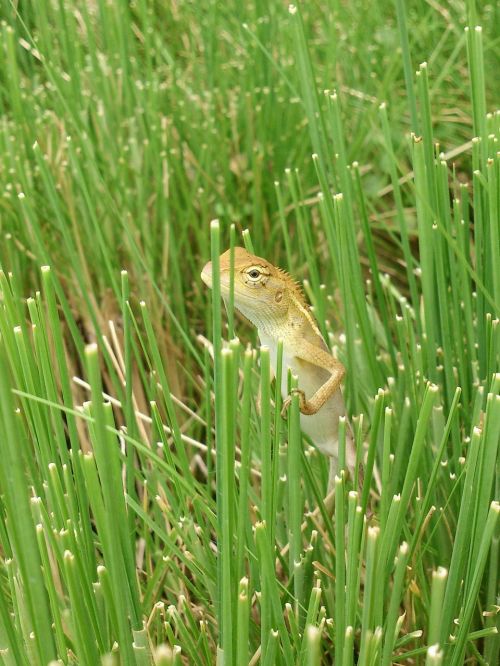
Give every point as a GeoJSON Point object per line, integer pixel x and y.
{"type": "Point", "coordinates": [154, 505]}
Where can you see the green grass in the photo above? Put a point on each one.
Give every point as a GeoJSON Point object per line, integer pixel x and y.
{"type": "Point", "coordinates": [152, 509]}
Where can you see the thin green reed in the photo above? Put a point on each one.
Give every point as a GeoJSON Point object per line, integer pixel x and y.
{"type": "Point", "coordinates": [117, 544]}
{"type": "Point", "coordinates": [393, 530]}
{"type": "Point", "coordinates": [407, 63]}
{"type": "Point", "coordinates": [243, 619]}
{"type": "Point", "coordinates": [270, 598]}
{"type": "Point", "coordinates": [277, 429]}
{"type": "Point", "coordinates": [353, 286]}
{"type": "Point", "coordinates": [230, 308]}
{"type": "Point", "coordinates": [375, 274]}
{"type": "Point", "coordinates": [393, 609]}
{"type": "Point", "coordinates": [340, 569]}
{"type": "Point", "coordinates": [486, 476]}
{"type": "Point", "coordinates": [462, 537]}
{"type": "Point", "coordinates": [22, 531]}
{"type": "Point", "coordinates": [294, 492]}
{"type": "Point", "coordinates": [401, 216]}
{"type": "Point", "coordinates": [368, 615]}
{"type": "Point", "coordinates": [310, 95]}
{"type": "Point", "coordinates": [470, 603]}
{"type": "Point", "coordinates": [129, 404]}
{"type": "Point", "coordinates": [266, 441]}
{"type": "Point", "coordinates": [244, 473]}
{"type": "Point", "coordinates": [437, 597]}
{"type": "Point", "coordinates": [224, 572]}
{"type": "Point", "coordinates": [493, 178]}
{"type": "Point", "coordinates": [225, 546]}
{"type": "Point", "coordinates": [157, 364]}
{"type": "Point", "coordinates": [475, 58]}
{"type": "Point", "coordinates": [425, 222]}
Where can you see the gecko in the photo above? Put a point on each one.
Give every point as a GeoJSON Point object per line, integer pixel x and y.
{"type": "Point", "coordinates": [275, 304]}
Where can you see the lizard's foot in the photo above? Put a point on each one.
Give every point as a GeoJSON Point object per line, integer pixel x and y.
{"type": "Point", "coordinates": [304, 405]}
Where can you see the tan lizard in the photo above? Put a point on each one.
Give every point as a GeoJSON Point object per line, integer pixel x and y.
{"type": "Point", "coordinates": [275, 305]}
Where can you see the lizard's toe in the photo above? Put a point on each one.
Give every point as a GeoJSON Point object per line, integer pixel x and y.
{"type": "Point", "coordinates": [284, 407]}
{"type": "Point", "coordinates": [303, 404]}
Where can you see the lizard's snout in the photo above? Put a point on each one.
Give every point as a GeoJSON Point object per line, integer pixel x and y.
{"type": "Point", "coordinates": [206, 274]}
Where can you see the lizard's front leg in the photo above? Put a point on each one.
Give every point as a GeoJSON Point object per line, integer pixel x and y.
{"type": "Point", "coordinates": [321, 359]}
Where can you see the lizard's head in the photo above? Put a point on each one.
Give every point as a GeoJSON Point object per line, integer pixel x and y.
{"type": "Point", "coordinates": [262, 292]}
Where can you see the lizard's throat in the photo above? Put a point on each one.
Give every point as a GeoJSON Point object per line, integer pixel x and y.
{"type": "Point", "coordinates": [266, 321]}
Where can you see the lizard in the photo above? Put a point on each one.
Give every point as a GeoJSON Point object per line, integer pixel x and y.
{"type": "Point", "coordinates": [275, 304]}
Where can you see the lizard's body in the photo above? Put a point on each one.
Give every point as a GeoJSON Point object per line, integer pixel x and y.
{"type": "Point", "coordinates": [274, 303]}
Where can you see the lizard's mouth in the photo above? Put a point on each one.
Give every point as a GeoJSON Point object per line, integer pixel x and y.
{"type": "Point", "coordinates": [206, 274]}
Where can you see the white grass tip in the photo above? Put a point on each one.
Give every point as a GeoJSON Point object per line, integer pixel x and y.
{"type": "Point", "coordinates": [404, 548]}
{"type": "Point", "coordinates": [338, 197]}
{"type": "Point", "coordinates": [45, 269]}
{"type": "Point", "coordinates": [313, 633]}
{"type": "Point", "coordinates": [433, 652]}
{"type": "Point", "coordinates": [17, 330]}
{"type": "Point", "coordinates": [123, 272]}
{"type": "Point", "coordinates": [21, 195]}
{"type": "Point", "coordinates": [214, 224]}
{"type": "Point", "coordinates": [91, 349]}
{"type": "Point", "coordinates": [478, 28]}
{"type": "Point", "coordinates": [292, 9]}
{"type": "Point", "coordinates": [423, 65]}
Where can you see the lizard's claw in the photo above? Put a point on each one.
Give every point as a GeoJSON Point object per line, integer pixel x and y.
{"type": "Point", "coordinates": [288, 401]}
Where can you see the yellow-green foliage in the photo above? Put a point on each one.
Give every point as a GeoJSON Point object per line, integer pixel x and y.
{"type": "Point", "coordinates": [154, 508]}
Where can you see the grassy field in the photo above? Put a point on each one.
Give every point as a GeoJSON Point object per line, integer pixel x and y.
{"type": "Point", "coordinates": [154, 509]}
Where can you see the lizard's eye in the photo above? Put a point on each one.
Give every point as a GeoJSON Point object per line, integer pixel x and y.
{"type": "Point", "coordinates": [254, 274]}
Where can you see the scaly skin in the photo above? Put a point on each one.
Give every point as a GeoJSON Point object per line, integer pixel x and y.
{"type": "Point", "coordinates": [269, 298]}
